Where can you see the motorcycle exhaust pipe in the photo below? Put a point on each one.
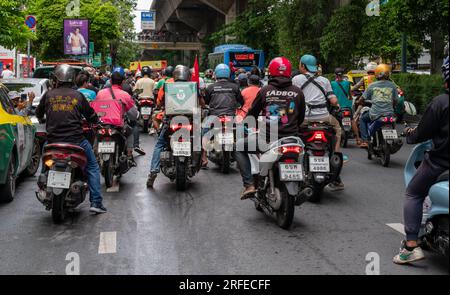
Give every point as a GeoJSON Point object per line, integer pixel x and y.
{"type": "Point", "coordinates": [304, 196]}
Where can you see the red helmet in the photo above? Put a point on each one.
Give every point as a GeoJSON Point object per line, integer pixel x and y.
{"type": "Point", "coordinates": [280, 67]}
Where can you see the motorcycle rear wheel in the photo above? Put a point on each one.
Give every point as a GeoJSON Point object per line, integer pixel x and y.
{"type": "Point", "coordinates": [58, 210]}
{"type": "Point", "coordinates": [226, 162]}
{"type": "Point", "coordinates": [385, 155]}
{"type": "Point", "coordinates": [181, 176]}
{"type": "Point", "coordinates": [285, 215]}
{"type": "Point", "coordinates": [317, 194]}
{"type": "Point", "coordinates": [108, 173]}
{"type": "Point", "coordinates": [145, 126]}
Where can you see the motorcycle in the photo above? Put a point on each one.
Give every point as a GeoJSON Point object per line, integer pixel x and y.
{"type": "Point", "coordinates": [112, 152]}
{"type": "Point", "coordinates": [222, 147]}
{"type": "Point", "coordinates": [384, 139]}
{"type": "Point", "coordinates": [322, 165]}
{"type": "Point", "coordinates": [145, 107]}
{"type": "Point", "coordinates": [434, 233]}
{"type": "Point", "coordinates": [63, 185]}
{"type": "Point", "coordinates": [178, 160]}
{"type": "Point", "coordinates": [279, 176]}
{"type": "Point", "coordinates": [344, 116]}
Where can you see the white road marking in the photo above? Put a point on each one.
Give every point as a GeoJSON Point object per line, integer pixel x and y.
{"type": "Point", "coordinates": [107, 244]}
{"type": "Point", "coordinates": [398, 227]}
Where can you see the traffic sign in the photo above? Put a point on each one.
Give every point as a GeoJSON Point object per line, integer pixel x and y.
{"type": "Point", "coordinates": [148, 20]}
{"type": "Point", "coordinates": [30, 22]}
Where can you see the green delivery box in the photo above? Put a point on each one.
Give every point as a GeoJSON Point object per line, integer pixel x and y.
{"type": "Point", "coordinates": [181, 98]}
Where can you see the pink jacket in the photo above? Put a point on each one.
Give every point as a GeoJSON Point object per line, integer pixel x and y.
{"type": "Point", "coordinates": [109, 110]}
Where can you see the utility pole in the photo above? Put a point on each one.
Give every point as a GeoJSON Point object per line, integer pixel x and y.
{"type": "Point", "coordinates": [28, 58]}
{"type": "Point", "coordinates": [404, 53]}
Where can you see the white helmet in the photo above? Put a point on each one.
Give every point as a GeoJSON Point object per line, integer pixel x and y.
{"type": "Point", "coordinates": [371, 66]}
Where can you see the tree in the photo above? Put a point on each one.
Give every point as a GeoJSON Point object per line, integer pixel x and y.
{"type": "Point", "coordinates": [427, 19]}
{"type": "Point", "coordinates": [13, 31]}
{"type": "Point", "coordinates": [103, 17]}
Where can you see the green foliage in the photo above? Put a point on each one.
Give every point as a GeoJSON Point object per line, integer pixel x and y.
{"type": "Point", "coordinates": [104, 25]}
{"type": "Point", "coordinates": [13, 31]}
{"type": "Point", "coordinates": [419, 89]}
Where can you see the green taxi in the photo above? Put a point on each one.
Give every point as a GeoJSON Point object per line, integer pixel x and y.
{"type": "Point", "coordinates": [19, 149]}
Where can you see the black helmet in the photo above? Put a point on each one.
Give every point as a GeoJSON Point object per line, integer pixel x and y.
{"type": "Point", "coordinates": [64, 74]}
{"type": "Point", "coordinates": [339, 71]}
{"type": "Point", "coordinates": [254, 80]}
{"type": "Point", "coordinates": [182, 73]}
{"type": "Point", "coordinates": [146, 71]}
{"type": "Point", "coordinates": [169, 71]}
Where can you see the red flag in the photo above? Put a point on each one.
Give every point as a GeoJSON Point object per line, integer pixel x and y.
{"type": "Point", "coordinates": [139, 67]}
{"type": "Point", "coordinates": [196, 71]}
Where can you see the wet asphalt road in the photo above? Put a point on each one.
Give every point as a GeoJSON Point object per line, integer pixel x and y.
{"type": "Point", "coordinates": [208, 230]}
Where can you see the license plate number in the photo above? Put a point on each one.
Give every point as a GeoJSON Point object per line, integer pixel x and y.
{"type": "Point", "coordinates": [319, 164]}
{"type": "Point", "coordinates": [389, 134]}
{"type": "Point", "coordinates": [346, 122]}
{"type": "Point", "coordinates": [106, 147]}
{"type": "Point", "coordinates": [225, 138]}
{"type": "Point", "coordinates": [58, 179]}
{"type": "Point", "coordinates": [291, 172]}
{"type": "Point", "coordinates": [146, 111]}
{"type": "Point", "coordinates": [181, 149]}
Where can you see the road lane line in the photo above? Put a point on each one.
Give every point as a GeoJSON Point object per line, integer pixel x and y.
{"type": "Point", "coordinates": [398, 227]}
{"type": "Point", "coordinates": [107, 244]}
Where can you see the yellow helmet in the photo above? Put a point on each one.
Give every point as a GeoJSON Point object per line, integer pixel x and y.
{"type": "Point", "coordinates": [383, 71]}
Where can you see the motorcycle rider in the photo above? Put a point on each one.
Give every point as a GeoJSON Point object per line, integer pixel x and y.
{"type": "Point", "coordinates": [64, 109]}
{"type": "Point", "coordinates": [116, 92]}
{"type": "Point", "coordinates": [318, 94]}
{"type": "Point", "coordinates": [145, 83]}
{"type": "Point", "coordinates": [82, 82]}
{"type": "Point", "coordinates": [223, 99]}
{"type": "Point", "coordinates": [383, 95]}
{"type": "Point", "coordinates": [287, 109]}
{"type": "Point", "coordinates": [342, 89]}
{"type": "Point", "coordinates": [180, 74]}
{"type": "Point", "coordinates": [249, 95]}
{"type": "Point", "coordinates": [434, 126]}
{"type": "Point", "coordinates": [209, 77]}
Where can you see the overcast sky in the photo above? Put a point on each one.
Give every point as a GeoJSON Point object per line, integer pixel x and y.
{"type": "Point", "coordinates": [142, 4]}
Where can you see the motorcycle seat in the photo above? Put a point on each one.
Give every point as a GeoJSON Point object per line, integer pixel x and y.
{"type": "Point", "coordinates": [288, 141]}
{"type": "Point", "coordinates": [68, 146]}
{"type": "Point", "coordinates": [443, 177]}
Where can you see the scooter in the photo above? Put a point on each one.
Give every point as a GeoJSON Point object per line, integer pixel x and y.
{"type": "Point", "coordinates": [223, 145]}
{"type": "Point", "coordinates": [280, 179]}
{"type": "Point", "coordinates": [434, 233]}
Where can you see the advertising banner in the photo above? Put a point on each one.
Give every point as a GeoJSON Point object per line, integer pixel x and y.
{"type": "Point", "coordinates": [76, 36]}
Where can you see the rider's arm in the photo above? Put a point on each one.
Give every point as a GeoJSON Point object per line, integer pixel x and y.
{"type": "Point", "coordinates": [330, 94]}
{"type": "Point", "coordinates": [429, 125]}
{"type": "Point", "coordinates": [240, 98]}
{"type": "Point", "coordinates": [358, 85]}
{"type": "Point", "coordinates": [257, 106]}
{"type": "Point", "coordinates": [40, 110]}
{"type": "Point", "coordinates": [87, 111]}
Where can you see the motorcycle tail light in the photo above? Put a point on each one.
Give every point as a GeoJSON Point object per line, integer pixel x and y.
{"type": "Point", "coordinates": [347, 113]}
{"type": "Point", "coordinates": [391, 119]}
{"type": "Point", "coordinates": [225, 119]}
{"type": "Point", "coordinates": [290, 161]}
{"type": "Point", "coordinates": [319, 153]}
{"type": "Point", "coordinates": [105, 132]}
{"type": "Point", "coordinates": [49, 163]}
{"type": "Point", "coordinates": [41, 134]}
{"type": "Point", "coordinates": [318, 136]}
{"type": "Point", "coordinates": [291, 150]}
{"type": "Point", "coordinates": [178, 127]}
{"type": "Point", "coordinates": [385, 119]}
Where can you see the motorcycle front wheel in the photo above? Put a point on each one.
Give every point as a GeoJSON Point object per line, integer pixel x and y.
{"type": "Point", "coordinates": [285, 215]}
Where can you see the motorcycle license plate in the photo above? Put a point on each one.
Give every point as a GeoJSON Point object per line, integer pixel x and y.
{"type": "Point", "coordinates": [225, 138]}
{"type": "Point", "coordinates": [346, 122]}
{"type": "Point", "coordinates": [181, 149]}
{"type": "Point", "coordinates": [106, 147]}
{"type": "Point", "coordinates": [146, 111]}
{"type": "Point", "coordinates": [291, 172]}
{"type": "Point", "coordinates": [389, 134]}
{"type": "Point", "coordinates": [57, 179]}
{"type": "Point", "coordinates": [319, 164]}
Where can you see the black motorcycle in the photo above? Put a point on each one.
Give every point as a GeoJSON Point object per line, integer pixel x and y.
{"type": "Point", "coordinates": [222, 145]}
{"type": "Point", "coordinates": [322, 165]}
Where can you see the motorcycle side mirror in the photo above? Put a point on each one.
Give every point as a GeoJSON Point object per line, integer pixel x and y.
{"type": "Point", "coordinates": [410, 108]}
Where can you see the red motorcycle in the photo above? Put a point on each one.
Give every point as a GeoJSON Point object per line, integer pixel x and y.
{"type": "Point", "coordinates": [146, 107]}
{"type": "Point", "coordinates": [63, 186]}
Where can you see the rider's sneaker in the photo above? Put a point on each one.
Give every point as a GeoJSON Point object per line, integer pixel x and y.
{"type": "Point", "coordinates": [151, 179]}
{"type": "Point", "coordinates": [97, 208]}
{"type": "Point", "coordinates": [248, 192]}
{"type": "Point", "coordinates": [152, 131]}
{"type": "Point", "coordinates": [408, 255]}
{"type": "Point", "coordinates": [336, 186]}
{"type": "Point", "coordinates": [345, 158]}
{"type": "Point", "coordinates": [131, 162]}
{"type": "Point", "coordinates": [139, 150]}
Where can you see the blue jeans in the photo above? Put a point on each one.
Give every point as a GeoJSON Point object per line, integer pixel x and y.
{"type": "Point", "coordinates": [136, 135]}
{"type": "Point", "coordinates": [93, 174]}
{"type": "Point", "coordinates": [364, 126]}
{"type": "Point", "coordinates": [155, 164]}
